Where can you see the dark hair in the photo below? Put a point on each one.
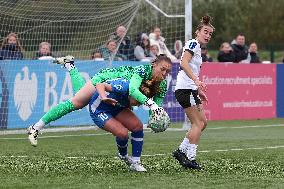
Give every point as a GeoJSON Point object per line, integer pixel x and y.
{"type": "Point", "coordinates": [96, 51]}
{"type": "Point", "coordinates": [240, 34]}
{"type": "Point", "coordinates": [160, 58]}
{"type": "Point", "coordinates": [139, 41]}
{"type": "Point", "coordinates": [150, 88]}
{"type": "Point", "coordinates": [205, 21]}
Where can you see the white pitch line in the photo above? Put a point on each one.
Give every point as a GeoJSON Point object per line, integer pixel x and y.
{"type": "Point", "coordinates": [49, 130]}
{"type": "Point", "coordinates": [13, 156]}
{"type": "Point", "coordinates": [87, 128]}
{"type": "Point", "coordinates": [230, 127]}
{"type": "Point", "coordinates": [153, 155]}
{"type": "Point", "coordinates": [245, 127]}
{"type": "Point", "coordinates": [146, 130]}
{"type": "Point", "coordinates": [58, 136]}
{"type": "Point", "coordinates": [224, 150]}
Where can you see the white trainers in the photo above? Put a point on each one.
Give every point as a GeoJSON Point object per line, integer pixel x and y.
{"type": "Point", "coordinates": [137, 166]}
{"type": "Point", "coordinates": [125, 159]}
{"type": "Point", "coordinates": [33, 134]}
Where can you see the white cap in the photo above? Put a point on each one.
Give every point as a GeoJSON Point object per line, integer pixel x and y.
{"type": "Point", "coordinates": [144, 36]}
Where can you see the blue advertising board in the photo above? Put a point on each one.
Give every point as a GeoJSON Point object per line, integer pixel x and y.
{"type": "Point", "coordinates": [280, 90]}
{"type": "Point", "coordinates": [30, 88]}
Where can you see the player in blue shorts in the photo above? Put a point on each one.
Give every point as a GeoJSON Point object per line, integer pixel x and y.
{"type": "Point", "coordinates": [116, 117]}
{"type": "Point", "coordinates": [110, 109]}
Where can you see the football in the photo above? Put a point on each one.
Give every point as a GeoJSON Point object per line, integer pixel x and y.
{"type": "Point", "coordinates": [159, 121]}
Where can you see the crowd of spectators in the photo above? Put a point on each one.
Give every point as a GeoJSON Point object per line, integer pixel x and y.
{"type": "Point", "coordinates": [146, 47]}
{"type": "Point", "coordinates": [238, 51]}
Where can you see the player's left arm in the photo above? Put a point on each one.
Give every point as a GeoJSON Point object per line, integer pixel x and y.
{"type": "Point", "coordinates": [141, 73]}
{"type": "Point", "coordinates": [203, 96]}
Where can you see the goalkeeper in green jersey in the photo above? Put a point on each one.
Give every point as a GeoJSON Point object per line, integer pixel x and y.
{"type": "Point", "coordinates": [156, 71]}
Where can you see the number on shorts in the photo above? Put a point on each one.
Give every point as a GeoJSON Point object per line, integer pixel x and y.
{"type": "Point", "coordinates": [103, 116]}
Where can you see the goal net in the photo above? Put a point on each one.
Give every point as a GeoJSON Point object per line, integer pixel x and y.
{"type": "Point", "coordinates": [79, 27]}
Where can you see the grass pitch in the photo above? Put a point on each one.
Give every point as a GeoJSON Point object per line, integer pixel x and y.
{"type": "Point", "coordinates": [234, 154]}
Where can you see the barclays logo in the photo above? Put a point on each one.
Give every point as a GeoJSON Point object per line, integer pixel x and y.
{"type": "Point", "coordinates": [25, 93]}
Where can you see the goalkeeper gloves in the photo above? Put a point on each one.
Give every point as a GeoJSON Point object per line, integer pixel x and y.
{"type": "Point", "coordinates": [151, 104]}
{"type": "Point", "coordinates": [159, 119]}
{"type": "Point", "coordinates": [154, 107]}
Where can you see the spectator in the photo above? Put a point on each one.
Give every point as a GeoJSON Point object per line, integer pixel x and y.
{"type": "Point", "coordinates": [125, 46]}
{"type": "Point", "coordinates": [226, 53]}
{"type": "Point", "coordinates": [204, 54]}
{"type": "Point", "coordinates": [157, 39]}
{"type": "Point", "coordinates": [177, 52]}
{"type": "Point", "coordinates": [142, 49]}
{"type": "Point", "coordinates": [109, 52]}
{"type": "Point", "coordinates": [11, 48]}
{"type": "Point", "coordinates": [252, 55]}
{"type": "Point", "coordinates": [44, 52]}
{"type": "Point", "coordinates": [97, 56]}
{"type": "Point", "coordinates": [154, 51]}
{"type": "Point", "coordinates": [239, 48]}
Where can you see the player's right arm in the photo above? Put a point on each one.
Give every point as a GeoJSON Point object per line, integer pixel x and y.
{"type": "Point", "coordinates": [118, 86]}
{"type": "Point", "coordinates": [189, 51]}
{"type": "Point", "coordinates": [102, 88]}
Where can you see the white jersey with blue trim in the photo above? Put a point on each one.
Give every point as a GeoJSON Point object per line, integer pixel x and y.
{"type": "Point", "coordinates": [120, 92]}
{"type": "Point", "coordinates": [183, 81]}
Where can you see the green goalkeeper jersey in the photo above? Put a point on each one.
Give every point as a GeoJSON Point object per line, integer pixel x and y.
{"type": "Point", "coordinates": [135, 75]}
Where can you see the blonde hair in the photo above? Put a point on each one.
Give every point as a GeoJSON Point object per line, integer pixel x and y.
{"type": "Point", "coordinates": [18, 44]}
{"type": "Point", "coordinates": [43, 44]}
{"type": "Point", "coordinates": [223, 44]}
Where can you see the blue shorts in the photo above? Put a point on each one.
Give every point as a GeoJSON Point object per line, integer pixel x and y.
{"type": "Point", "coordinates": [101, 117]}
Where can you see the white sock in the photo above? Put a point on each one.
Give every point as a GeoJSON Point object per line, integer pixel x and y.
{"type": "Point", "coordinates": [191, 151]}
{"type": "Point", "coordinates": [69, 66]}
{"type": "Point", "coordinates": [135, 159]}
{"type": "Point", "coordinates": [39, 125]}
{"type": "Point", "coordinates": [184, 145]}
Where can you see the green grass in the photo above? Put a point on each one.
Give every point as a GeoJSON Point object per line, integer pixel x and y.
{"type": "Point", "coordinates": [234, 154]}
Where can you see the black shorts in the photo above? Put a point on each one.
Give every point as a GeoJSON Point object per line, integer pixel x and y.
{"type": "Point", "coordinates": [187, 97]}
